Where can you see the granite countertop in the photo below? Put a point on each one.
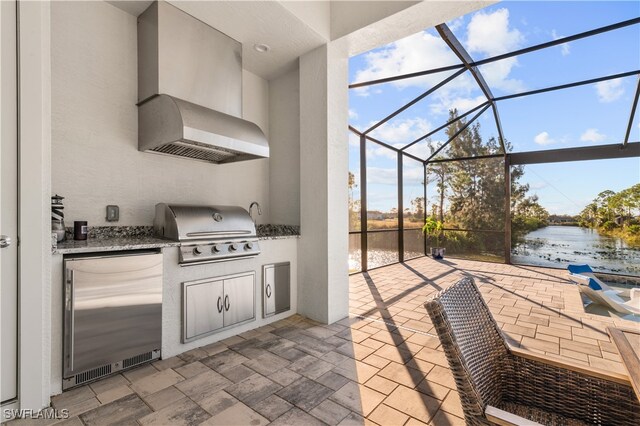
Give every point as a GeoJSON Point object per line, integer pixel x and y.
{"type": "Point", "coordinates": [112, 244]}
{"type": "Point", "coordinates": [275, 232]}
{"type": "Point", "coordinates": [117, 238]}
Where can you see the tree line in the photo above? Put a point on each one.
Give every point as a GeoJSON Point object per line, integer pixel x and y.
{"type": "Point", "coordinates": [470, 194]}
{"type": "Point", "coordinates": [615, 213]}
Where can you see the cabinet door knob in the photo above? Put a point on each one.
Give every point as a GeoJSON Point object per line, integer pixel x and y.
{"type": "Point", "coordinates": [219, 305]}
{"type": "Point", "coordinates": [268, 290]}
{"type": "Point", "coordinates": [227, 305]}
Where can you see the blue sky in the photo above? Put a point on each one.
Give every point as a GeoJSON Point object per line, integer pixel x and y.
{"type": "Point", "coordinates": [587, 115]}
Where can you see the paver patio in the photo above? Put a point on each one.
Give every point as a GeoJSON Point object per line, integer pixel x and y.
{"type": "Point", "coordinates": [382, 365]}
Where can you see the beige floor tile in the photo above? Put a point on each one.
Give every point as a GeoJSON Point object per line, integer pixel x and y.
{"type": "Point", "coordinates": [376, 361]}
{"type": "Point", "coordinates": [402, 374]}
{"type": "Point", "coordinates": [330, 412]}
{"type": "Point", "coordinates": [184, 412]}
{"type": "Point", "coordinates": [125, 410]}
{"type": "Point", "coordinates": [155, 382]}
{"type": "Point", "coordinates": [217, 402]}
{"type": "Point", "coordinates": [161, 399]}
{"type": "Point", "coordinates": [284, 377]}
{"type": "Point", "coordinates": [272, 407]}
{"type": "Point", "coordinates": [193, 369]}
{"type": "Point", "coordinates": [113, 393]}
{"type": "Point", "coordinates": [414, 404]}
{"type": "Point", "coordinates": [237, 415]}
{"type": "Point", "coordinates": [109, 383]}
{"type": "Point", "coordinates": [442, 418]}
{"type": "Point", "coordinates": [172, 362]}
{"type": "Point", "coordinates": [72, 397]}
{"type": "Point", "coordinates": [381, 384]}
{"type": "Point", "coordinates": [452, 404]}
{"type": "Point", "coordinates": [203, 385]}
{"type": "Point", "coordinates": [295, 417]}
{"type": "Point", "coordinates": [358, 398]}
{"type": "Point", "coordinates": [356, 371]}
{"type": "Point", "coordinates": [385, 415]}
{"type": "Point", "coordinates": [442, 376]}
{"type": "Point", "coordinates": [138, 373]}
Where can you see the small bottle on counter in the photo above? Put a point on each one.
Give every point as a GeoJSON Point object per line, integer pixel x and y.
{"type": "Point", "coordinates": [80, 230]}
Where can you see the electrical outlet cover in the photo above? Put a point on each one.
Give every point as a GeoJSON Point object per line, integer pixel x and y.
{"type": "Point", "coordinates": [113, 213]}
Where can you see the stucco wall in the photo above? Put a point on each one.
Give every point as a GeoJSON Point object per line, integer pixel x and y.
{"type": "Point", "coordinates": [95, 128]}
{"type": "Point", "coordinates": [284, 143]}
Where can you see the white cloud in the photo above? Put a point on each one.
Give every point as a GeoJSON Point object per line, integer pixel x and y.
{"type": "Point", "coordinates": [353, 115]}
{"type": "Point", "coordinates": [412, 175]}
{"type": "Point", "coordinates": [445, 103]}
{"type": "Point", "coordinates": [543, 139]}
{"type": "Point", "coordinates": [418, 52]}
{"type": "Point", "coordinates": [424, 149]}
{"type": "Point", "coordinates": [354, 140]}
{"type": "Point", "coordinates": [374, 150]}
{"type": "Point", "coordinates": [537, 185]}
{"type": "Point", "coordinates": [401, 131]}
{"type": "Point", "coordinates": [382, 176]}
{"type": "Point", "coordinates": [456, 23]}
{"type": "Point", "coordinates": [565, 49]}
{"type": "Point", "coordinates": [489, 34]}
{"type": "Point", "coordinates": [592, 135]}
{"type": "Point", "coordinates": [609, 90]}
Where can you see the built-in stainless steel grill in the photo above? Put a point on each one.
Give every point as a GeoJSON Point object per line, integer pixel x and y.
{"type": "Point", "coordinates": [207, 233]}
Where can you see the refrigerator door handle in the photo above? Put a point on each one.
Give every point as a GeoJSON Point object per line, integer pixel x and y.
{"type": "Point", "coordinates": [72, 296]}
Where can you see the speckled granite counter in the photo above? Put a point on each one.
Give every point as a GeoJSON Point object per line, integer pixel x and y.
{"type": "Point", "coordinates": [112, 244]}
{"type": "Point", "coordinates": [276, 232]}
{"type": "Point", "coordinates": [117, 238]}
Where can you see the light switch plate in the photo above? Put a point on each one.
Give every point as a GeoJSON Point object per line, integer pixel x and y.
{"type": "Point", "coordinates": [113, 213]}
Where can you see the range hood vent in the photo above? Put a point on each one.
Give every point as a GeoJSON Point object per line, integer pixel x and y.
{"type": "Point", "coordinates": [171, 126]}
{"type": "Point", "coordinates": [190, 90]}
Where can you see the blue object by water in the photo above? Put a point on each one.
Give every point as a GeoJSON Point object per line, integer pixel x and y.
{"type": "Point", "coordinates": [594, 284]}
{"type": "Point", "coordinates": [579, 269]}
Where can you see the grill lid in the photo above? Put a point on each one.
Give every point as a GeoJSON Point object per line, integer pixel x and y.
{"type": "Point", "coordinates": [195, 222]}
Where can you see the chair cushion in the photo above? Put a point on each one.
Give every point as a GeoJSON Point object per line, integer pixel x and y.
{"type": "Point", "coordinates": [538, 415]}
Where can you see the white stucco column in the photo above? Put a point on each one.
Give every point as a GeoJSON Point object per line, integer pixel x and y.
{"type": "Point", "coordinates": [323, 249]}
{"type": "Point", "coordinates": [34, 319]}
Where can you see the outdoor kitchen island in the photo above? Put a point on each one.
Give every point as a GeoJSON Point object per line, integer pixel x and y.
{"type": "Point", "coordinates": [277, 243]}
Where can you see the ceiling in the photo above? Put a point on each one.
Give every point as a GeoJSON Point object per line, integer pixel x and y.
{"type": "Point", "coordinates": [252, 22]}
{"type": "Point", "coordinates": [293, 28]}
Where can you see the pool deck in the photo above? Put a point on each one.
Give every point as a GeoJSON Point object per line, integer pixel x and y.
{"type": "Point", "coordinates": [538, 309]}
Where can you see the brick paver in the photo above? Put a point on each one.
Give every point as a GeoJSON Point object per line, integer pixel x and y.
{"type": "Point", "coordinates": [381, 365]}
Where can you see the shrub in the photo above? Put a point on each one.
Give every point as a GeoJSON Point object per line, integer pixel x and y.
{"type": "Point", "coordinates": [634, 229]}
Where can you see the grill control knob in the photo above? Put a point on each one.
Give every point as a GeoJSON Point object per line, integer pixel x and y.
{"type": "Point", "coordinates": [248, 246]}
{"type": "Point", "coordinates": [233, 247]}
{"type": "Point", "coordinates": [197, 251]}
{"type": "Point", "coordinates": [216, 248]}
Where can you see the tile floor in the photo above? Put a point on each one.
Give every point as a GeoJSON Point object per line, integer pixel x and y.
{"type": "Point", "coordinates": [382, 365]}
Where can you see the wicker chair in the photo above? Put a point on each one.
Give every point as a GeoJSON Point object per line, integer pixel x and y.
{"type": "Point", "coordinates": [502, 385]}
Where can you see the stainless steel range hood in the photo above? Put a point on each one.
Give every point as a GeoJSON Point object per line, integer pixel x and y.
{"type": "Point", "coordinates": [190, 90]}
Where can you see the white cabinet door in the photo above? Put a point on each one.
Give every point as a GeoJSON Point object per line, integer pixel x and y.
{"type": "Point", "coordinates": [8, 200]}
{"type": "Point", "coordinates": [239, 299]}
{"type": "Point", "coordinates": [203, 309]}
